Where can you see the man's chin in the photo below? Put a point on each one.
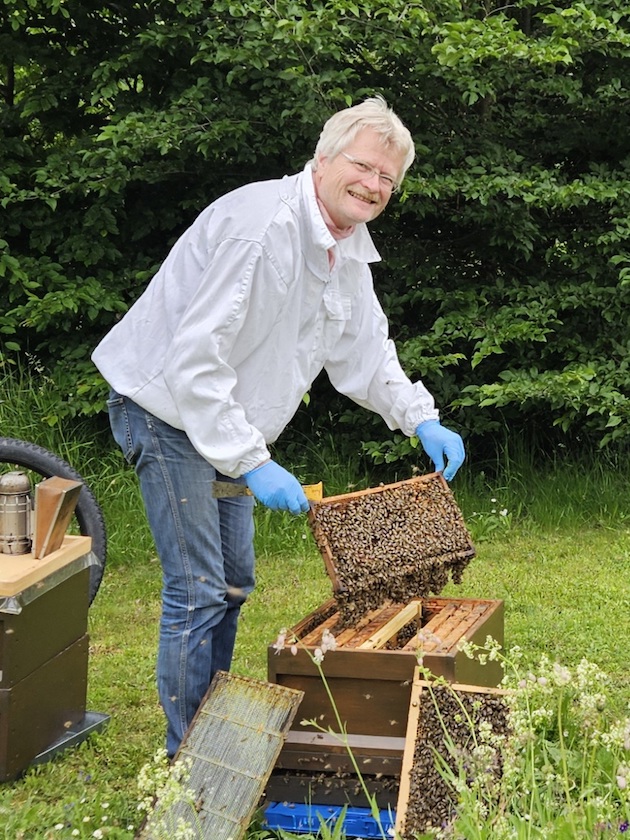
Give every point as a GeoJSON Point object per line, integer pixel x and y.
{"type": "Point", "coordinates": [364, 211]}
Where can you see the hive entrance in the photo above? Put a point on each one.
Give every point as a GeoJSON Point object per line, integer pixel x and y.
{"type": "Point", "coordinates": [394, 543]}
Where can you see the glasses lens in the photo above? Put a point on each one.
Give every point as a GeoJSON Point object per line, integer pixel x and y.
{"type": "Point", "coordinates": [386, 181]}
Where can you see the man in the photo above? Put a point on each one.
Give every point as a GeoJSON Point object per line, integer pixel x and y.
{"type": "Point", "coordinates": [270, 285]}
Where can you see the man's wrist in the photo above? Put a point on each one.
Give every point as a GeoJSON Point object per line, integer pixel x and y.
{"type": "Point", "coordinates": [257, 467]}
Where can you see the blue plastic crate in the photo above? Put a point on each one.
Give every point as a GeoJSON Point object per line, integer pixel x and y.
{"type": "Point", "coordinates": [306, 819]}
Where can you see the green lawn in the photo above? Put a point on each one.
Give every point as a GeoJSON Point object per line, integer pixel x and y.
{"type": "Point", "coordinates": [566, 593]}
{"type": "Point", "coordinates": [555, 546]}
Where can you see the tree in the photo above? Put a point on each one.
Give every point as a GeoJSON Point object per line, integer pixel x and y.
{"type": "Point", "coordinates": [506, 261]}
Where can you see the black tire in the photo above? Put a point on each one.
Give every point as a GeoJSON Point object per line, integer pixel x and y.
{"type": "Point", "coordinates": [88, 511]}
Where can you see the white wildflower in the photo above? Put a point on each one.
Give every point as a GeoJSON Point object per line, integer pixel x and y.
{"type": "Point", "coordinates": [328, 641]}
{"type": "Point", "coordinates": [280, 642]}
{"type": "Point", "coordinates": [562, 676]}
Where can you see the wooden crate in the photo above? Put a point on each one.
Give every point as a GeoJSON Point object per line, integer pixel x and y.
{"type": "Point", "coordinates": [370, 676]}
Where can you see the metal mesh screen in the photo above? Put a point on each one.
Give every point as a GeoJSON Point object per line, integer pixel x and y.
{"type": "Point", "coordinates": [229, 753]}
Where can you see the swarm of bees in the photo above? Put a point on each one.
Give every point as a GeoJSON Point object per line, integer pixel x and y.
{"type": "Point", "coordinates": [449, 724]}
{"type": "Point", "coordinates": [337, 788]}
{"type": "Point", "coordinates": [396, 542]}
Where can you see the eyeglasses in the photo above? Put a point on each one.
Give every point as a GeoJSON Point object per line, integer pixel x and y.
{"type": "Point", "coordinates": [386, 181]}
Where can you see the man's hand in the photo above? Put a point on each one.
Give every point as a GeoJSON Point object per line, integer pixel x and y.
{"type": "Point", "coordinates": [438, 442]}
{"type": "Point", "coordinates": [276, 488]}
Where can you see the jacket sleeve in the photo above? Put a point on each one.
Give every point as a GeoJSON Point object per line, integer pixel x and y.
{"type": "Point", "coordinates": [365, 367]}
{"type": "Point", "coordinates": [198, 372]}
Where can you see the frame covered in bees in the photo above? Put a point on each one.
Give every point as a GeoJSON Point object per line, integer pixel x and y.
{"type": "Point", "coordinates": [389, 552]}
{"type": "Point", "coordinates": [462, 725]}
{"type": "Point", "coordinates": [394, 542]}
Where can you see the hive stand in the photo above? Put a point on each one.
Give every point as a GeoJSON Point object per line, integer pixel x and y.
{"type": "Point", "coordinates": [43, 655]}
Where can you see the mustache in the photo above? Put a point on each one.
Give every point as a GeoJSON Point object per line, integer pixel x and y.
{"type": "Point", "coordinates": [369, 196]}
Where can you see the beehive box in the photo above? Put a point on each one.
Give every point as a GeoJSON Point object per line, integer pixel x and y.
{"type": "Point", "coordinates": [43, 650]}
{"type": "Point", "coordinates": [369, 675]}
{"type": "Point", "coordinates": [42, 707]}
{"type": "Point", "coordinates": [370, 671]}
{"type": "Point", "coordinates": [389, 551]}
{"type": "Point", "coordinates": [43, 607]}
{"type": "Point", "coordinates": [394, 542]}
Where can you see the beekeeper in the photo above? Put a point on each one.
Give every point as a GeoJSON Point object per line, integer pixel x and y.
{"type": "Point", "coordinates": [269, 286]}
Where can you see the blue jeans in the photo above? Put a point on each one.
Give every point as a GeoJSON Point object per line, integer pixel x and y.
{"type": "Point", "coordinates": [205, 546]}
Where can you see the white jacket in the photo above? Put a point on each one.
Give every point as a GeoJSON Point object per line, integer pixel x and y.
{"type": "Point", "coordinates": [243, 315]}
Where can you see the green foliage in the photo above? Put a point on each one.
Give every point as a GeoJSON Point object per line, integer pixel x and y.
{"type": "Point", "coordinates": [506, 269]}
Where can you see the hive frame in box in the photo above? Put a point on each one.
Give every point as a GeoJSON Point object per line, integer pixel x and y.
{"type": "Point", "coordinates": [371, 688]}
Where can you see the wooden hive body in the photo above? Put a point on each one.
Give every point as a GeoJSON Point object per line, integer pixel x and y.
{"type": "Point", "coordinates": [369, 676]}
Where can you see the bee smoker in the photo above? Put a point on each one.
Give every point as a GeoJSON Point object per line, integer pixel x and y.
{"type": "Point", "coordinates": [15, 513]}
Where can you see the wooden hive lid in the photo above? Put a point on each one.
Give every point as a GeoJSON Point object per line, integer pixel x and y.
{"type": "Point", "coordinates": [20, 571]}
{"type": "Point", "coordinates": [393, 542]}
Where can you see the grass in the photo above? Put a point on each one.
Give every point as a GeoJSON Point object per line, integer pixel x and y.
{"type": "Point", "coordinates": [554, 544]}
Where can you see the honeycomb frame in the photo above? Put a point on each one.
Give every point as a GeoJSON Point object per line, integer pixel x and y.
{"type": "Point", "coordinates": [393, 542]}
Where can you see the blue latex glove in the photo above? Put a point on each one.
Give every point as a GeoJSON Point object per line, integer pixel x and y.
{"type": "Point", "coordinates": [438, 442]}
{"type": "Point", "coordinates": [276, 488]}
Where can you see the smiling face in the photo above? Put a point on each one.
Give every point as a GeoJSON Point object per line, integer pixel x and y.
{"type": "Point", "coordinates": [350, 196]}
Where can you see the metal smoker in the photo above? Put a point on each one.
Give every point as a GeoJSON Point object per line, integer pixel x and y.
{"type": "Point", "coordinates": [15, 513]}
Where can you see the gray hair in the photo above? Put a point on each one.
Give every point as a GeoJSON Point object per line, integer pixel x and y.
{"type": "Point", "coordinates": [374, 113]}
